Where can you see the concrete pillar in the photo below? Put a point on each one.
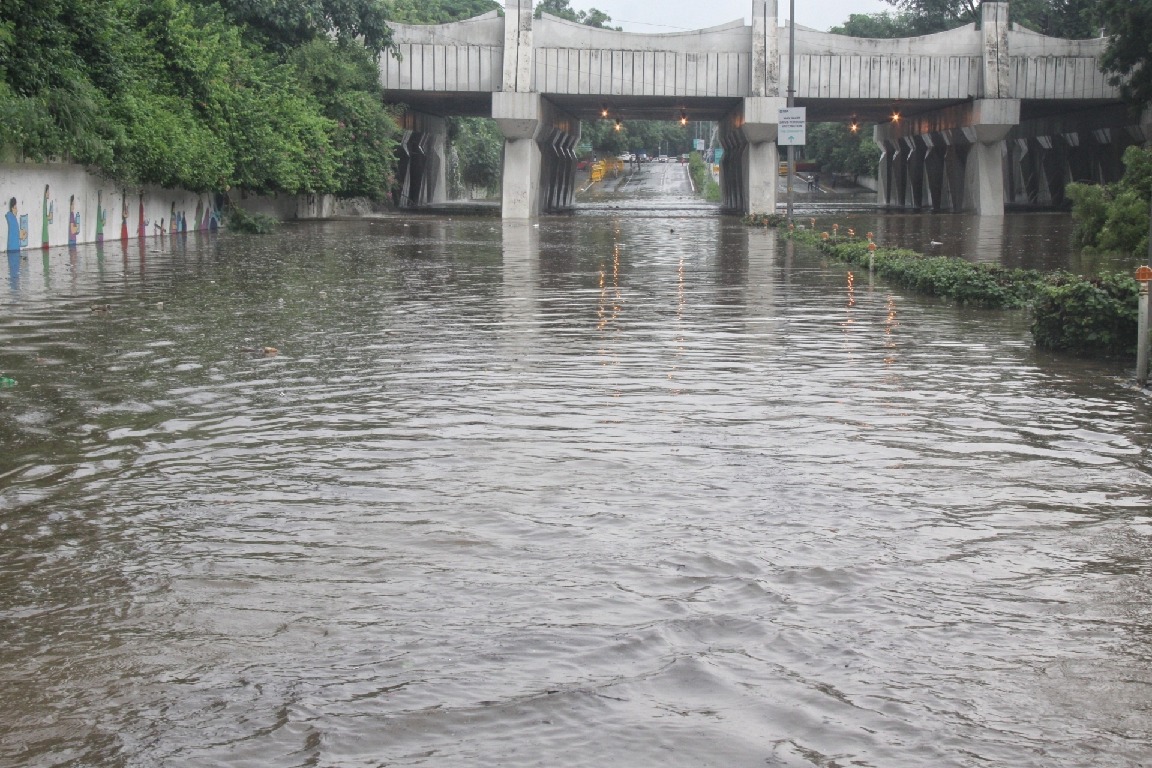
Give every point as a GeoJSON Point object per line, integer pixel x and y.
{"type": "Point", "coordinates": [984, 180]}
{"type": "Point", "coordinates": [914, 158]}
{"type": "Point", "coordinates": [733, 166]}
{"type": "Point", "coordinates": [884, 168]}
{"type": "Point", "coordinates": [898, 191]}
{"type": "Point", "coordinates": [434, 146]}
{"type": "Point", "coordinates": [991, 121]}
{"type": "Point", "coordinates": [422, 166]}
{"type": "Point", "coordinates": [933, 160]}
{"type": "Point", "coordinates": [519, 118]}
{"type": "Point", "coordinates": [955, 160]}
{"type": "Point", "coordinates": [539, 154]}
{"type": "Point", "coordinates": [759, 126]}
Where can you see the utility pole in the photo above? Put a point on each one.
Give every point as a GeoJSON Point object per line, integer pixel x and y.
{"type": "Point", "coordinates": [791, 93]}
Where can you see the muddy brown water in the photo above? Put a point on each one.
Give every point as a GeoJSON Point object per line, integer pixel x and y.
{"type": "Point", "coordinates": [632, 487]}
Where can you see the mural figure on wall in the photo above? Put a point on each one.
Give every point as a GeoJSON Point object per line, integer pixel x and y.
{"type": "Point", "coordinates": [200, 222]}
{"type": "Point", "coordinates": [172, 219]}
{"type": "Point", "coordinates": [46, 218]}
{"type": "Point", "coordinates": [16, 234]}
{"type": "Point", "coordinates": [73, 220]}
{"type": "Point", "coordinates": [14, 260]}
{"type": "Point", "coordinates": [124, 217]}
{"type": "Point", "coordinates": [101, 216]}
{"type": "Point", "coordinates": [142, 225]}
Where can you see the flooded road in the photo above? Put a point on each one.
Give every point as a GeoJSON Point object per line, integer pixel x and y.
{"type": "Point", "coordinates": [619, 489]}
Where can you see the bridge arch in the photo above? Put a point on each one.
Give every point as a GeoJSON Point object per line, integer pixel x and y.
{"type": "Point", "coordinates": [989, 115]}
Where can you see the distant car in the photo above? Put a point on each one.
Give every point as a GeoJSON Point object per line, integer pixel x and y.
{"type": "Point", "coordinates": [662, 159]}
{"type": "Point", "coordinates": [642, 157]}
{"type": "Point", "coordinates": [582, 165]}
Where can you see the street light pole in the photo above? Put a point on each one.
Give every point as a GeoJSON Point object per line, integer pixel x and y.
{"type": "Point", "coordinates": [791, 93]}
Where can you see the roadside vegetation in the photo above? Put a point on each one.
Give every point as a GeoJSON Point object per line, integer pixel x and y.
{"type": "Point", "coordinates": [706, 186]}
{"type": "Point", "coordinates": [202, 95]}
{"type": "Point", "coordinates": [1070, 313]}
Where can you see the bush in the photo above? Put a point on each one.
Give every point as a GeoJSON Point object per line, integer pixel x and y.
{"type": "Point", "coordinates": [1114, 217]}
{"type": "Point", "coordinates": [981, 285]}
{"type": "Point", "coordinates": [1087, 317]}
{"type": "Point", "coordinates": [240, 220]}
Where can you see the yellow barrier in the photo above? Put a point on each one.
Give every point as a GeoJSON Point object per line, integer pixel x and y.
{"type": "Point", "coordinates": [602, 167]}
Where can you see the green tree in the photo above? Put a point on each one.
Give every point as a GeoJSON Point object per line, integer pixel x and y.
{"type": "Point", "coordinates": [929, 16]}
{"type": "Point", "coordinates": [438, 11]}
{"type": "Point", "coordinates": [479, 147]}
{"type": "Point", "coordinates": [878, 25]}
{"type": "Point", "coordinates": [593, 17]}
{"type": "Point", "coordinates": [1114, 217]}
{"type": "Point", "coordinates": [1128, 57]}
{"type": "Point", "coordinates": [363, 132]}
{"type": "Point", "coordinates": [837, 149]}
{"type": "Point", "coordinates": [1056, 18]}
{"type": "Point", "coordinates": [285, 24]}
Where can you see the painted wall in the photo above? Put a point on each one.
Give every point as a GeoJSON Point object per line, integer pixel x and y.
{"type": "Point", "coordinates": [61, 205]}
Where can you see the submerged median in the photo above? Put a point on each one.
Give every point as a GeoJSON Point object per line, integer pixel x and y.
{"type": "Point", "coordinates": [1070, 313]}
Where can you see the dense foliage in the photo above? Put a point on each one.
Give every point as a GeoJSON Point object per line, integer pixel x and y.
{"type": "Point", "coordinates": [837, 149]}
{"type": "Point", "coordinates": [651, 136]}
{"type": "Point", "coordinates": [268, 95]}
{"type": "Point", "coordinates": [1088, 317]}
{"type": "Point", "coordinates": [478, 152]}
{"type": "Point", "coordinates": [706, 185]}
{"type": "Point", "coordinates": [1129, 55]}
{"type": "Point", "coordinates": [1114, 217]}
{"type": "Point", "coordinates": [1056, 18]}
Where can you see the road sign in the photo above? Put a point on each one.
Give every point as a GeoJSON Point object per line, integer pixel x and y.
{"type": "Point", "coordinates": [791, 130]}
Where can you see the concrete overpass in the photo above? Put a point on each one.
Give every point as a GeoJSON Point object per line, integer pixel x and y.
{"type": "Point", "coordinates": [986, 115]}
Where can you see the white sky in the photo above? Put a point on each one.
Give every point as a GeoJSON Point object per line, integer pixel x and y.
{"type": "Point", "coordinates": [676, 15]}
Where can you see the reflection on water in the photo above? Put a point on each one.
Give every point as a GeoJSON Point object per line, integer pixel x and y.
{"type": "Point", "coordinates": [602, 491]}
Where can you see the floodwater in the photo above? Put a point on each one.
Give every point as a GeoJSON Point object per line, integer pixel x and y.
{"type": "Point", "coordinates": [619, 489]}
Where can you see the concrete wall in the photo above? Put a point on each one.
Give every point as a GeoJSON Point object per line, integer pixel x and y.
{"type": "Point", "coordinates": [60, 204]}
{"type": "Point", "coordinates": [574, 58]}
{"type": "Point", "coordinates": [461, 56]}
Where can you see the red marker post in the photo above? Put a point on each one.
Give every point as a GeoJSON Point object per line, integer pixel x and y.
{"type": "Point", "coordinates": [1143, 276]}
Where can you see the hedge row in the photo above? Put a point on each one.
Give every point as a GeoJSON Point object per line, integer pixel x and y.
{"type": "Point", "coordinates": [1091, 317]}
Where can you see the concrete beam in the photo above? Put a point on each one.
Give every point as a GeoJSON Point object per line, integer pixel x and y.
{"type": "Point", "coordinates": [761, 120]}
{"type": "Point", "coordinates": [519, 51]}
{"type": "Point", "coordinates": [997, 61]}
{"type": "Point", "coordinates": [765, 49]}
